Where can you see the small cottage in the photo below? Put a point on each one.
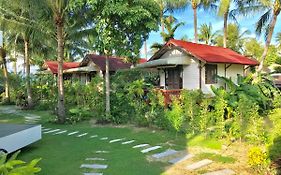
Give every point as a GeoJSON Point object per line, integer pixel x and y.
{"type": "Point", "coordinates": [88, 68]}
{"type": "Point", "coordinates": [186, 65]}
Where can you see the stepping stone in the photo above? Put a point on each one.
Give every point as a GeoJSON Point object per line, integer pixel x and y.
{"type": "Point", "coordinates": [61, 132]}
{"type": "Point", "coordinates": [46, 129]}
{"type": "Point", "coordinates": [164, 154]}
{"type": "Point", "coordinates": [116, 140]}
{"type": "Point", "coordinates": [221, 172]}
{"type": "Point", "coordinates": [95, 158]}
{"type": "Point", "coordinates": [141, 145]}
{"type": "Point", "coordinates": [150, 149]}
{"type": "Point", "coordinates": [94, 136]}
{"type": "Point", "coordinates": [94, 166]}
{"type": "Point", "coordinates": [128, 142]}
{"type": "Point", "coordinates": [72, 133]}
{"type": "Point", "coordinates": [55, 130]}
{"type": "Point", "coordinates": [180, 159]}
{"type": "Point", "coordinates": [81, 135]}
{"type": "Point", "coordinates": [104, 138]}
{"type": "Point", "coordinates": [199, 164]}
{"type": "Point", "coordinates": [102, 151]}
{"type": "Point", "coordinates": [92, 173]}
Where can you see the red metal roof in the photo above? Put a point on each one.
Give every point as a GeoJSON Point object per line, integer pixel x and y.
{"type": "Point", "coordinates": [142, 60]}
{"type": "Point", "coordinates": [115, 63]}
{"type": "Point", "coordinates": [212, 54]}
{"type": "Point", "coordinates": [53, 65]}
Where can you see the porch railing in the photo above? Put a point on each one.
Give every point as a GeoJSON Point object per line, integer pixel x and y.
{"type": "Point", "coordinates": [170, 94]}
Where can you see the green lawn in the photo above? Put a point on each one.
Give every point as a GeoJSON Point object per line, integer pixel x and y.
{"type": "Point", "coordinates": [62, 154]}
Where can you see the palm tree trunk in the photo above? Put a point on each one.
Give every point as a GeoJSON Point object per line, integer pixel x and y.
{"type": "Point", "coordinates": [268, 41]}
{"type": "Point", "coordinates": [6, 79]}
{"type": "Point", "coordinates": [195, 24]}
{"type": "Point", "coordinates": [15, 56]}
{"type": "Point", "coordinates": [27, 71]}
{"type": "Point", "coordinates": [60, 40]}
{"type": "Point", "coordinates": [107, 86]}
{"type": "Point", "coordinates": [225, 19]}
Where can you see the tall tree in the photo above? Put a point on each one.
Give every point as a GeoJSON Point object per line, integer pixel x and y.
{"type": "Point", "coordinates": [122, 28]}
{"type": "Point", "coordinates": [267, 22]}
{"type": "Point", "coordinates": [171, 25]}
{"type": "Point", "coordinates": [168, 6]}
{"type": "Point", "coordinates": [235, 38]}
{"type": "Point", "coordinates": [3, 63]}
{"type": "Point", "coordinates": [206, 34]}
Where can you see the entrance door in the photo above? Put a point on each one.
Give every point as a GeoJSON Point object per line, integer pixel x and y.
{"type": "Point", "coordinates": [174, 78]}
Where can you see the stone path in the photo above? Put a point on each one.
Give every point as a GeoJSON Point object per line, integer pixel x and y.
{"type": "Point", "coordinates": [94, 166]}
{"type": "Point", "coordinates": [95, 158]}
{"type": "Point", "coordinates": [93, 173]}
{"type": "Point", "coordinates": [199, 164]}
{"type": "Point", "coordinates": [51, 131]}
{"type": "Point", "coordinates": [150, 149]}
{"type": "Point", "coordinates": [168, 155]}
{"type": "Point", "coordinates": [116, 140]}
{"type": "Point", "coordinates": [81, 135]}
{"type": "Point", "coordinates": [221, 172]}
{"type": "Point", "coordinates": [72, 133]}
{"type": "Point", "coordinates": [164, 154]}
{"type": "Point", "coordinates": [181, 158]}
{"type": "Point", "coordinates": [141, 145]}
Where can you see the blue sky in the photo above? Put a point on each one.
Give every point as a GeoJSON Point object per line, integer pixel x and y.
{"type": "Point", "coordinates": [207, 17]}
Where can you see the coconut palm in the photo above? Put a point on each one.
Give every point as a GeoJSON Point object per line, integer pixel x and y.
{"type": "Point", "coordinates": [168, 5]}
{"type": "Point", "coordinates": [278, 38]}
{"type": "Point", "coordinates": [206, 34]}
{"type": "Point", "coordinates": [267, 22]}
{"type": "Point", "coordinates": [171, 25]}
{"type": "Point", "coordinates": [195, 4]}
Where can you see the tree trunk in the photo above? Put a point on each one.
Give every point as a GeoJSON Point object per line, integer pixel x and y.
{"type": "Point", "coordinates": [145, 49]}
{"type": "Point", "coordinates": [195, 24]}
{"type": "Point", "coordinates": [6, 77]}
{"type": "Point", "coordinates": [268, 41]}
{"type": "Point", "coordinates": [27, 71]}
{"type": "Point", "coordinates": [60, 40]}
{"type": "Point", "coordinates": [107, 86]}
{"type": "Point", "coordinates": [225, 19]}
{"type": "Point", "coordinates": [15, 56]}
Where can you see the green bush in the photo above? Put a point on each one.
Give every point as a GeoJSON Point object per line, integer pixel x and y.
{"type": "Point", "coordinates": [12, 166]}
{"type": "Point", "coordinates": [77, 114]}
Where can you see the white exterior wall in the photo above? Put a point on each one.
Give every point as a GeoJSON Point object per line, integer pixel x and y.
{"type": "Point", "coordinates": [231, 72]}
{"type": "Point", "coordinates": [162, 78]}
{"type": "Point", "coordinates": [191, 72]}
{"type": "Point", "coordinates": [191, 76]}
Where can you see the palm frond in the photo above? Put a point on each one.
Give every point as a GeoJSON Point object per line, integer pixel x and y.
{"type": "Point", "coordinates": [263, 21]}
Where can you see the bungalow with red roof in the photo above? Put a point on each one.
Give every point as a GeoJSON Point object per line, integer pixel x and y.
{"type": "Point", "coordinates": [186, 65]}
{"type": "Point", "coordinates": [89, 67]}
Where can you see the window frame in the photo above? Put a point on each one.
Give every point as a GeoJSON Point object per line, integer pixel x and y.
{"type": "Point", "coordinates": [211, 78]}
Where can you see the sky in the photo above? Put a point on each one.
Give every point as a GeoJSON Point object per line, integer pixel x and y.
{"type": "Point", "coordinates": [245, 23]}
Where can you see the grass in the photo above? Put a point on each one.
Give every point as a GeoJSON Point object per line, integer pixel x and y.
{"type": "Point", "coordinates": [202, 141]}
{"type": "Point", "coordinates": [215, 157]}
{"type": "Point", "coordinates": [62, 154]}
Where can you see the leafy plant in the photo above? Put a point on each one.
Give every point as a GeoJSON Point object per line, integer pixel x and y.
{"type": "Point", "coordinates": [257, 159]}
{"type": "Point", "coordinates": [12, 166]}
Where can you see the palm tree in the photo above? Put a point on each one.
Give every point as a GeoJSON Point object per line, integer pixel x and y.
{"type": "Point", "coordinates": [168, 5]}
{"type": "Point", "coordinates": [206, 34]}
{"type": "Point", "coordinates": [278, 38]}
{"type": "Point", "coordinates": [3, 62]}
{"type": "Point", "coordinates": [267, 21]}
{"type": "Point", "coordinates": [171, 27]}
